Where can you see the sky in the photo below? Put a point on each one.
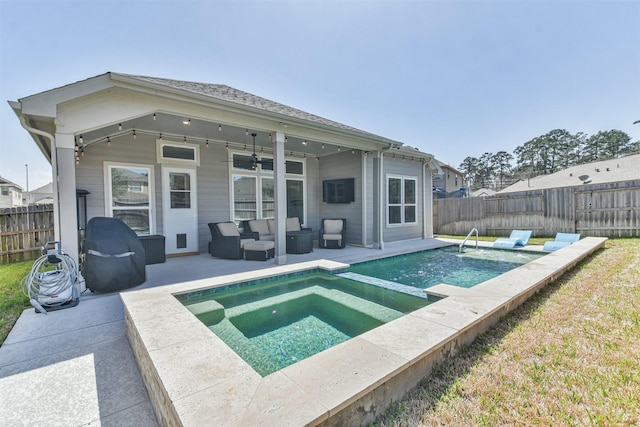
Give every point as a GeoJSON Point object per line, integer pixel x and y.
{"type": "Point", "coordinates": [451, 78]}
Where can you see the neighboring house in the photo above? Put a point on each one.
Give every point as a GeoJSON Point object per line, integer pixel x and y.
{"type": "Point", "coordinates": [612, 170]}
{"type": "Point", "coordinates": [483, 192]}
{"type": "Point", "coordinates": [40, 196]}
{"type": "Point", "coordinates": [450, 183]}
{"type": "Point", "coordinates": [10, 194]}
{"type": "Point", "coordinates": [170, 156]}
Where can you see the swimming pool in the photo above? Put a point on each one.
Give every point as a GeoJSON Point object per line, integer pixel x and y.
{"type": "Point", "coordinates": [274, 325]}
{"type": "Point", "coordinates": [194, 378]}
{"type": "Point", "coordinates": [444, 265]}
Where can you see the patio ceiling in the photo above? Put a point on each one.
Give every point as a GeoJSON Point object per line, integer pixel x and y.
{"type": "Point", "coordinates": [172, 127]}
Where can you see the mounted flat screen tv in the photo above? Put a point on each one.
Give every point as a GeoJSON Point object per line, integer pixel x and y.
{"type": "Point", "coordinates": [338, 190]}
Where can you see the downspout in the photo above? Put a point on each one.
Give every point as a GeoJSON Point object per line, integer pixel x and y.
{"type": "Point", "coordinates": [363, 166]}
{"type": "Point", "coordinates": [424, 200]}
{"type": "Point", "coordinates": [381, 202]}
{"type": "Point", "coordinates": [54, 173]}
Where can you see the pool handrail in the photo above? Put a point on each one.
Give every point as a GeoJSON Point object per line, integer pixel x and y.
{"type": "Point", "coordinates": [467, 238]}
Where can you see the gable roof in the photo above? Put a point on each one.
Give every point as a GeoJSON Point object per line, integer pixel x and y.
{"type": "Point", "coordinates": [6, 183]}
{"type": "Point", "coordinates": [611, 170]}
{"type": "Point", "coordinates": [236, 96]}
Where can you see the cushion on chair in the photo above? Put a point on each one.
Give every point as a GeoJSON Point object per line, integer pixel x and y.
{"type": "Point", "coordinates": [228, 229]}
{"type": "Point", "coordinates": [333, 226]}
{"type": "Point", "coordinates": [260, 226]}
{"type": "Point", "coordinates": [293, 224]}
{"type": "Point", "coordinates": [244, 242]}
{"type": "Point", "coordinates": [272, 226]}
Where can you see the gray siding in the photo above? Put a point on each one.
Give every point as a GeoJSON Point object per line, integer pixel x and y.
{"type": "Point", "coordinates": [337, 166]}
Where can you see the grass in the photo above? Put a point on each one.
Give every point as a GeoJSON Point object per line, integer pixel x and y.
{"type": "Point", "coordinates": [12, 300]}
{"type": "Point", "coordinates": [568, 356]}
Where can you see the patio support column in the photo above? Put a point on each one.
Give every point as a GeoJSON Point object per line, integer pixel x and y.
{"type": "Point", "coordinates": [64, 175]}
{"type": "Point", "coordinates": [280, 186]}
{"type": "Point", "coordinates": [381, 200]}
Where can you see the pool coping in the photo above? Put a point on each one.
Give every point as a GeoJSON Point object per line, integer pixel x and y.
{"type": "Point", "coordinates": [193, 378]}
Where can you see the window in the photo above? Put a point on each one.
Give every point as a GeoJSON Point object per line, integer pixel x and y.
{"type": "Point", "coordinates": [5, 191]}
{"type": "Point", "coordinates": [401, 200]}
{"type": "Point", "coordinates": [168, 152]}
{"type": "Point", "coordinates": [254, 191]}
{"type": "Point", "coordinates": [129, 195]}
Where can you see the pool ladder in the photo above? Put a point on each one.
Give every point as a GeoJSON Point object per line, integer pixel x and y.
{"type": "Point", "coordinates": [474, 230]}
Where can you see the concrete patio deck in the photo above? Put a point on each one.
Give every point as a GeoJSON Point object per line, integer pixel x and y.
{"type": "Point", "coordinates": [75, 367]}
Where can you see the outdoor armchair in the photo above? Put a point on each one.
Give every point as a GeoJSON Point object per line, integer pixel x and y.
{"type": "Point", "coordinates": [332, 233]}
{"type": "Point", "coordinates": [226, 240]}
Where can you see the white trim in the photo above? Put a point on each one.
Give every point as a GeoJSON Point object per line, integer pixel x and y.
{"type": "Point", "coordinates": [259, 175]}
{"type": "Point", "coordinates": [161, 159]}
{"type": "Point", "coordinates": [108, 208]}
{"type": "Point", "coordinates": [402, 204]}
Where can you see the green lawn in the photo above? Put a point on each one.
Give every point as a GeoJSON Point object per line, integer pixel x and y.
{"type": "Point", "coordinates": [568, 356]}
{"type": "Point", "coordinates": [12, 300]}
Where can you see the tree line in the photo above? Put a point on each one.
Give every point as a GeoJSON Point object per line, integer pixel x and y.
{"type": "Point", "coordinates": [548, 153]}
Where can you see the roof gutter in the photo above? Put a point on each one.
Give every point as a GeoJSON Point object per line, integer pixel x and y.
{"type": "Point", "coordinates": [54, 171]}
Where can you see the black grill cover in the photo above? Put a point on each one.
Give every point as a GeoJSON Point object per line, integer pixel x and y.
{"type": "Point", "coordinates": [114, 258]}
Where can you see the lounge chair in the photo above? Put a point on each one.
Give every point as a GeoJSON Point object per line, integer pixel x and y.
{"type": "Point", "coordinates": [561, 240]}
{"type": "Point", "coordinates": [517, 238]}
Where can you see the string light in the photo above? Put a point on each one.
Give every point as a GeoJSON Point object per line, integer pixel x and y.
{"type": "Point", "coordinates": [323, 146]}
{"type": "Point", "coordinates": [81, 139]}
{"type": "Point", "coordinates": [245, 147]}
{"type": "Point", "coordinates": [119, 126]}
{"type": "Point", "coordinates": [186, 122]}
{"type": "Point", "coordinates": [353, 151]}
{"type": "Point", "coordinates": [154, 116]}
{"type": "Point", "coordinates": [161, 136]}
{"type": "Point", "coordinates": [227, 146]}
{"type": "Point", "coordinates": [134, 134]}
{"type": "Point", "coordinates": [185, 140]}
{"type": "Point", "coordinates": [220, 128]}
{"type": "Point", "coordinates": [246, 132]}
{"type": "Point", "coordinates": [207, 144]}
{"type": "Point", "coordinates": [108, 140]}
{"type": "Point", "coordinates": [304, 142]}
{"type": "Point", "coordinates": [339, 148]}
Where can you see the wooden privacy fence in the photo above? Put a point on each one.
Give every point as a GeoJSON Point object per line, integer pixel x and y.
{"type": "Point", "coordinates": [24, 231]}
{"type": "Point", "coordinates": [600, 210]}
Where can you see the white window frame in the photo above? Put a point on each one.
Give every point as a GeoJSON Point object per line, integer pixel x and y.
{"type": "Point", "coordinates": [402, 204]}
{"type": "Point", "coordinates": [108, 196]}
{"type": "Point", "coordinates": [260, 174]}
{"type": "Point", "coordinates": [161, 143]}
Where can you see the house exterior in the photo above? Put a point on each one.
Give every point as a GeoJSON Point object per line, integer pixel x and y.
{"type": "Point", "coordinates": [10, 194]}
{"type": "Point", "coordinates": [450, 183]}
{"type": "Point", "coordinates": [604, 171]}
{"type": "Point", "coordinates": [168, 157]}
{"type": "Point", "coordinates": [40, 196]}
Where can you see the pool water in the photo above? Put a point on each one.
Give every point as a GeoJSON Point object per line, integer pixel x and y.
{"type": "Point", "coordinates": [276, 324]}
{"type": "Point", "coordinates": [445, 265]}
